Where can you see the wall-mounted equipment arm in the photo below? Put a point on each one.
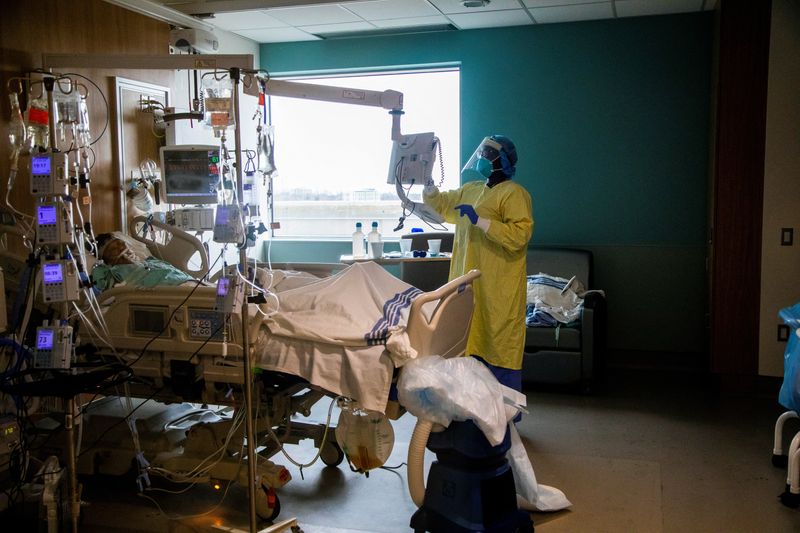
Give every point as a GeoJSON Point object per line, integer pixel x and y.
{"type": "Point", "coordinates": [391, 100]}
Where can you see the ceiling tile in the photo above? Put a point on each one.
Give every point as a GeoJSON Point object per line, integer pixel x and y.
{"type": "Point", "coordinates": [454, 6]}
{"type": "Point", "coordinates": [310, 15]}
{"type": "Point", "coordinates": [277, 35]}
{"type": "Point", "coordinates": [245, 20]}
{"type": "Point", "coordinates": [547, 15]}
{"type": "Point", "coordinates": [338, 28]}
{"type": "Point", "coordinates": [638, 8]}
{"type": "Point", "coordinates": [549, 3]}
{"type": "Point", "coordinates": [491, 19]}
{"type": "Point", "coordinates": [411, 22]}
{"type": "Point", "coordinates": [390, 9]}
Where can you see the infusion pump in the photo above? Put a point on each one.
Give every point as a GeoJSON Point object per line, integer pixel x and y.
{"type": "Point", "coordinates": [53, 346]}
{"type": "Point", "coordinates": [48, 176]}
{"type": "Point", "coordinates": [60, 281]}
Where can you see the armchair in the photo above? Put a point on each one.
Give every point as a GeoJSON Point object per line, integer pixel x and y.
{"type": "Point", "coordinates": [574, 353]}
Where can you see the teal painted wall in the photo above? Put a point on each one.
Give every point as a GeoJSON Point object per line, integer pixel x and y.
{"type": "Point", "coordinates": [611, 123]}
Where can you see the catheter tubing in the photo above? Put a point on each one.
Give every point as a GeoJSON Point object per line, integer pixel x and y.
{"type": "Point", "coordinates": [416, 460]}
{"type": "Point", "coordinates": [777, 449]}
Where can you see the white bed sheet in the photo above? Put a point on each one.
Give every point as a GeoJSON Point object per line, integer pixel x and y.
{"type": "Point", "coordinates": [363, 373]}
{"type": "Point", "coordinates": [334, 332]}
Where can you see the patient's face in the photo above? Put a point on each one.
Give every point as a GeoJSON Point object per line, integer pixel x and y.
{"type": "Point", "coordinates": [116, 252]}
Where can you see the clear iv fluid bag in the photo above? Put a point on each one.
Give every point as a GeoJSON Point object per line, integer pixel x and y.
{"type": "Point", "coordinates": [265, 148]}
{"type": "Point", "coordinates": [16, 126]}
{"type": "Point", "coordinates": [249, 192]}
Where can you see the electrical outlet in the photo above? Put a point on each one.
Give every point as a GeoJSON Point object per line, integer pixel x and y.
{"type": "Point", "coordinates": [783, 333]}
{"type": "Point", "coordinates": [787, 236]}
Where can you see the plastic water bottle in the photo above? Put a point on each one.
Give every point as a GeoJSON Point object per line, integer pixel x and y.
{"type": "Point", "coordinates": [358, 242]}
{"type": "Point", "coordinates": [374, 235]}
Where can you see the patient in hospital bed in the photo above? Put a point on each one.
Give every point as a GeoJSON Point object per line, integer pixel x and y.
{"type": "Point", "coordinates": [125, 260]}
{"type": "Point", "coordinates": [344, 334]}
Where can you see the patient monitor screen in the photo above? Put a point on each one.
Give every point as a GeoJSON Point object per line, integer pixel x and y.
{"type": "Point", "coordinates": [191, 173]}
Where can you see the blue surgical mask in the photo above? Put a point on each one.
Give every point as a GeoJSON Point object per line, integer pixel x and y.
{"type": "Point", "coordinates": [484, 167]}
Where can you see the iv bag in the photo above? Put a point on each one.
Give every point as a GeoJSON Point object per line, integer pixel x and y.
{"type": "Point", "coordinates": [17, 133]}
{"type": "Point", "coordinates": [218, 105]}
{"type": "Point", "coordinates": [265, 149]}
{"type": "Point", "coordinates": [38, 118]}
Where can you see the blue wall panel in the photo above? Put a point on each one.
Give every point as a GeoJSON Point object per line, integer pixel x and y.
{"type": "Point", "coordinates": [611, 121]}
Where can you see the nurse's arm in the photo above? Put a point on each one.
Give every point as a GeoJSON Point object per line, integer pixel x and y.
{"type": "Point", "coordinates": [513, 232]}
{"type": "Point", "coordinates": [443, 202]}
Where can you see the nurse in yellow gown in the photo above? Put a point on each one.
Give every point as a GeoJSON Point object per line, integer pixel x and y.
{"type": "Point", "coordinates": [494, 224]}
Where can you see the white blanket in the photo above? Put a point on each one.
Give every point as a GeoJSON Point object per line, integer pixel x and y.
{"type": "Point", "coordinates": [344, 334]}
{"type": "Point", "coordinates": [363, 305]}
{"type": "Point", "coordinates": [363, 373]}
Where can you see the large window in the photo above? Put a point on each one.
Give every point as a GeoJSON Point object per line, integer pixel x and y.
{"type": "Point", "coordinates": [333, 159]}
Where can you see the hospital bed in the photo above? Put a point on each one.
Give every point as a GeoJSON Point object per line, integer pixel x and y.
{"type": "Point", "coordinates": [180, 350]}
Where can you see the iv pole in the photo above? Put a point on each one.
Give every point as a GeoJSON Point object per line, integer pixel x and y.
{"type": "Point", "coordinates": [235, 75]}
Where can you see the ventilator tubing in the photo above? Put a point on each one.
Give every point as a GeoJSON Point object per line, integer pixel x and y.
{"type": "Point", "coordinates": [416, 461]}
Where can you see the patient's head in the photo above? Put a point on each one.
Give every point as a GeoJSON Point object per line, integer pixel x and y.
{"type": "Point", "coordinates": [119, 249]}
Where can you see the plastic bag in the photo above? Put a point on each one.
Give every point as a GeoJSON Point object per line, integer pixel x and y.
{"type": "Point", "coordinates": [789, 395]}
{"type": "Point", "coordinates": [461, 388]}
{"type": "Point", "coordinates": [531, 495]}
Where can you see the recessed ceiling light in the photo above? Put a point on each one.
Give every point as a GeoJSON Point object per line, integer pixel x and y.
{"type": "Point", "coordinates": [475, 3]}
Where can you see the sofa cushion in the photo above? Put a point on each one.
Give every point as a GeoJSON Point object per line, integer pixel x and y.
{"type": "Point", "coordinates": [568, 338]}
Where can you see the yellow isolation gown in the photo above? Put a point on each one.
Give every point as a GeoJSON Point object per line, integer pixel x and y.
{"type": "Point", "coordinates": [497, 333]}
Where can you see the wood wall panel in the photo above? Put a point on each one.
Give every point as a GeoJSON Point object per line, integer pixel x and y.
{"type": "Point", "coordinates": [29, 29]}
{"type": "Point", "coordinates": [738, 186]}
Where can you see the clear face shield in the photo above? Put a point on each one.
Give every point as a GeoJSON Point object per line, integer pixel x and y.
{"type": "Point", "coordinates": [481, 165]}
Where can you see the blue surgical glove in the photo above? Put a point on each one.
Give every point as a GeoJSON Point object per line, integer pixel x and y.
{"type": "Point", "coordinates": [468, 211]}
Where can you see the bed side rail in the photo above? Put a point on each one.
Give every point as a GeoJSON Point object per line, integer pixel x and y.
{"type": "Point", "coordinates": [445, 331]}
{"type": "Point", "coordinates": [179, 249]}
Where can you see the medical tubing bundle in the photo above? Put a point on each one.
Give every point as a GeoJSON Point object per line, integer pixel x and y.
{"type": "Point", "coordinates": [215, 507]}
{"type": "Point", "coordinates": [155, 392]}
{"type": "Point", "coordinates": [201, 471]}
{"type": "Point", "coordinates": [296, 463]}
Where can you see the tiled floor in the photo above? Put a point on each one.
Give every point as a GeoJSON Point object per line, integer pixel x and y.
{"type": "Point", "coordinates": [652, 453]}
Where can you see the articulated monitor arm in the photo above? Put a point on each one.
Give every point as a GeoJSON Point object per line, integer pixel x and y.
{"type": "Point", "coordinates": [391, 100]}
